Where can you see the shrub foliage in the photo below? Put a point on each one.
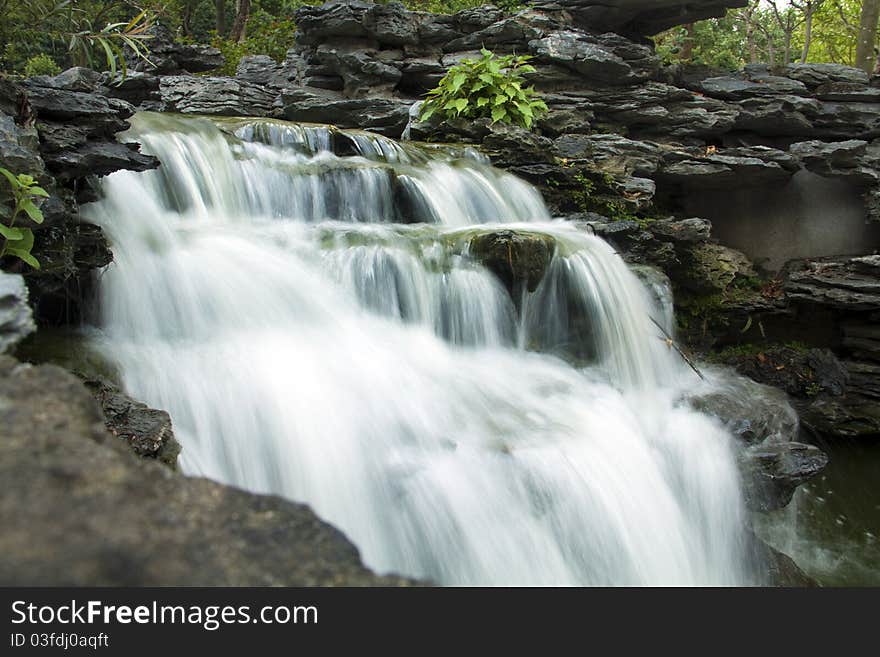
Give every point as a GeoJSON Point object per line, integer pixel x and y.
{"type": "Point", "coordinates": [489, 87]}
{"type": "Point", "coordinates": [18, 240]}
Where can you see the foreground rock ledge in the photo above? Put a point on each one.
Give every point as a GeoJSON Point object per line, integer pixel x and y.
{"type": "Point", "coordinates": [78, 508]}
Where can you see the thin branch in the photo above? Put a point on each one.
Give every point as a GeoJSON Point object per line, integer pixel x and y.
{"type": "Point", "coordinates": [669, 340]}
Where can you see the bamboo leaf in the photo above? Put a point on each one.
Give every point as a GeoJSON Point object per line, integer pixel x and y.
{"type": "Point", "coordinates": [111, 57]}
{"type": "Point", "coordinates": [135, 21]}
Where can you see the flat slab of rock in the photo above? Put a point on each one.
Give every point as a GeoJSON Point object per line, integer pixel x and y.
{"type": "Point", "coordinates": [387, 116]}
{"type": "Point", "coordinates": [78, 508]}
{"type": "Point", "coordinates": [216, 96]}
{"type": "Point", "coordinates": [640, 17]}
{"type": "Point", "coordinates": [844, 283]}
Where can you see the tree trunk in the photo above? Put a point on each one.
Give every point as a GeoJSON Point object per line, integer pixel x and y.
{"type": "Point", "coordinates": [808, 30]}
{"type": "Point", "coordinates": [186, 18]}
{"type": "Point", "coordinates": [221, 17]}
{"type": "Point", "coordinates": [750, 40]}
{"type": "Point", "coordinates": [867, 35]}
{"type": "Point", "coordinates": [241, 18]}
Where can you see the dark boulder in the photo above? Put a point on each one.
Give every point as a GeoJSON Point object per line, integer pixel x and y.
{"type": "Point", "coordinates": [147, 430]}
{"type": "Point", "coordinates": [655, 110]}
{"type": "Point", "coordinates": [773, 471]}
{"type": "Point", "coordinates": [510, 146]}
{"type": "Point", "coordinates": [100, 114]}
{"type": "Point", "coordinates": [77, 78]}
{"type": "Point", "coordinates": [772, 462]}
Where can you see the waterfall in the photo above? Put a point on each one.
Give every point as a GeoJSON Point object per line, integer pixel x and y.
{"type": "Point", "coordinates": [305, 303]}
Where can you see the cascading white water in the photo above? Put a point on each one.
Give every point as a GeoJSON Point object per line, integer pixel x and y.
{"type": "Point", "coordinates": [306, 342]}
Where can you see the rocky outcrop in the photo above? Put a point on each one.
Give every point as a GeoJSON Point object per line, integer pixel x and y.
{"type": "Point", "coordinates": [62, 131]}
{"type": "Point", "coordinates": [77, 124]}
{"type": "Point", "coordinates": [77, 506]}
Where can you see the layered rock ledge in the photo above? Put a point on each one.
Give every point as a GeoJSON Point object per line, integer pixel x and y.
{"type": "Point", "coordinates": [62, 130]}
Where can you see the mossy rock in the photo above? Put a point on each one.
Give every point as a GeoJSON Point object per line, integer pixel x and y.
{"type": "Point", "coordinates": [515, 257]}
{"type": "Point", "coordinates": [714, 268]}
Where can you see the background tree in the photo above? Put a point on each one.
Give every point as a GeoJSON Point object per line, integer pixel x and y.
{"type": "Point", "coordinates": [867, 35]}
{"type": "Point", "coordinates": [808, 9]}
{"type": "Point", "coordinates": [239, 25]}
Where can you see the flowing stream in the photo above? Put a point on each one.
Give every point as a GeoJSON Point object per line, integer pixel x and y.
{"type": "Point", "coordinates": [306, 304]}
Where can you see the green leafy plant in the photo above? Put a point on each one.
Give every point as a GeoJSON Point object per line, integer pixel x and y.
{"type": "Point", "coordinates": [41, 64]}
{"type": "Point", "coordinates": [489, 87]}
{"type": "Point", "coordinates": [18, 241]}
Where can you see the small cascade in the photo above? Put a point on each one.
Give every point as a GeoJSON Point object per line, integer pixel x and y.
{"type": "Point", "coordinates": [306, 304]}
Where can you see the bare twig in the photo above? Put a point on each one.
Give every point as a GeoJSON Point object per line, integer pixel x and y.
{"type": "Point", "coordinates": [668, 339]}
